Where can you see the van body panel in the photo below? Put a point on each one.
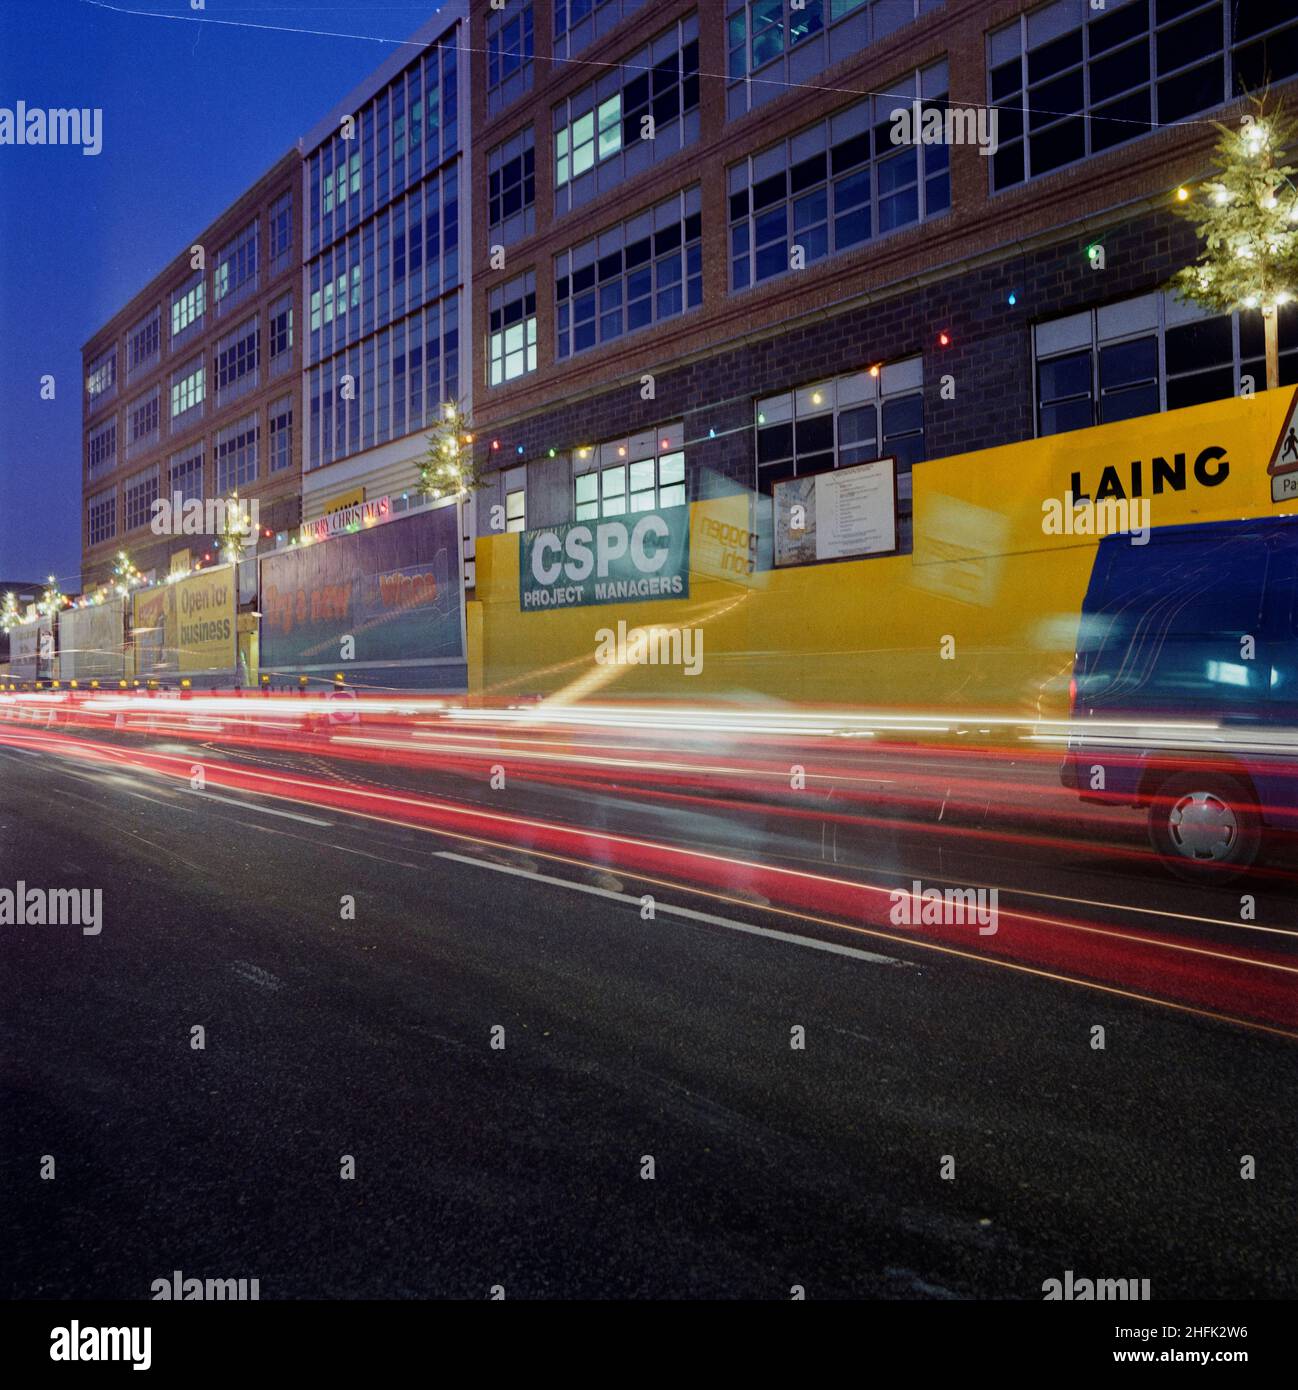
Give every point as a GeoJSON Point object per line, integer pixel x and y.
{"type": "Point", "coordinates": [1187, 655]}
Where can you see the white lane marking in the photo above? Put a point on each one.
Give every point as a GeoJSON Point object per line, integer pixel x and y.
{"type": "Point", "coordinates": [689, 913]}
{"type": "Point", "coordinates": [265, 810]}
{"type": "Point", "coordinates": [365, 854]}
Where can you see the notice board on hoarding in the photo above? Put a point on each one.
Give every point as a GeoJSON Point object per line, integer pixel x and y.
{"type": "Point", "coordinates": [388, 595]}
{"type": "Point", "coordinates": [92, 641]}
{"type": "Point", "coordinates": [27, 661]}
{"type": "Point", "coordinates": [622, 559]}
{"type": "Point", "coordinates": [839, 515]}
{"type": "Point", "coordinates": [187, 628]}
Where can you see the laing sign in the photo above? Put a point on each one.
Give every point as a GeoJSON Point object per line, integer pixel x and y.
{"type": "Point", "coordinates": [617, 560]}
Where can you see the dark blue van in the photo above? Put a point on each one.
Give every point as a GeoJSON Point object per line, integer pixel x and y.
{"type": "Point", "coordinates": [1185, 688]}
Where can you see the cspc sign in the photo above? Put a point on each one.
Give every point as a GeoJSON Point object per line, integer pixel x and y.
{"type": "Point", "coordinates": [617, 560]}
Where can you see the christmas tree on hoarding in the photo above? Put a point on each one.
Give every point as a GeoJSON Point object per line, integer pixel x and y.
{"type": "Point", "coordinates": [447, 468]}
{"type": "Point", "coordinates": [1247, 219]}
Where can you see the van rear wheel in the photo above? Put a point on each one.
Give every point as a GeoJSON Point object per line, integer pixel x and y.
{"type": "Point", "coordinates": [1205, 825]}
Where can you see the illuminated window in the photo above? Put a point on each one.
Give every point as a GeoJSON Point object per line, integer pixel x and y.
{"type": "Point", "coordinates": [236, 269]}
{"type": "Point", "coordinates": [659, 96]}
{"type": "Point", "coordinates": [101, 379]}
{"type": "Point", "coordinates": [187, 391]}
{"type": "Point", "coordinates": [512, 341]}
{"type": "Point", "coordinates": [188, 305]}
{"type": "Point", "coordinates": [641, 473]}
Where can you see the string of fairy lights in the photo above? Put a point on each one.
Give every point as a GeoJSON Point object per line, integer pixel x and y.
{"type": "Point", "coordinates": [1248, 222]}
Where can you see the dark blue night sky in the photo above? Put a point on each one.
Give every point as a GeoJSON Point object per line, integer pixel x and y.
{"type": "Point", "coordinates": [194, 111]}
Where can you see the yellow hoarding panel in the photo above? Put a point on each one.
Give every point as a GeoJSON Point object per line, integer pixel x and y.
{"type": "Point", "coordinates": [982, 617]}
{"type": "Point", "coordinates": [187, 627]}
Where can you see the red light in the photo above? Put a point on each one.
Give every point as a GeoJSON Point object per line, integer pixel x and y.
{"type": "Point", "coordinates": [1072, 694]}
{"type": "Point", "coordinates": [944, 339]}
{"type": "Point", "coordinates": [495, 443]}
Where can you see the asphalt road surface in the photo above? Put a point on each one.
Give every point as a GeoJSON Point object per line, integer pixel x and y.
{"type": "Point", "coordinates": [948, 1131]}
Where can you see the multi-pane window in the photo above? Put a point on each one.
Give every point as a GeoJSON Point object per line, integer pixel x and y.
{"type": "Point", "coordinates": [141, 494]}
{"type": "Point", "coordinates": [511, 188]}
{"type": "Point", "coordinates": [642, 111]}
{"type": "Point", "coordinates": [236, 269]}
{"type": "Point", "coordinates": [577, 22]}
{"type": "Point", "coordinates": [279, 233]}
{"type": "Point", "coordinates": [236, 455]}
{"type": "Point", "coordinates": [101, 450]}
{"type": "Point", "coordinates": [280, 419]}
{"type": "Point", "coordinates": [836, 185]}
{"type": "Point", "coordinates": [185, 473]}
{"type": "Point", "coordinates": [381, 296]}
{"type": "Point", "coordinates": [515, 490]}
{"type": "Point", "coordinates": [773, 45]}
{"type": "Point", "coordinates": [101, 379]}
{"type": "Point", "coordinates": [402, 134]}
{"type": "Point", "coordinates": [1070, 80]}
{"type": "Point", "coordinates": [143, 344]}
{"type": "Point", "coordinates": [343, 182]}
{"type": "Point", "coordinates": [142, 423]}
{"type": "Point", "coordinates": [404, 258]}
{"type": "Point", "coordinates": [642, 473]}
{"type": "Point", "coordinates": [187, 391]}
{"type": "Point", "coordinates": [510, 45]}
{"type": "Point", "coordinates": [853, 419]}
{"type": "Point", "coordinates": [646, 269]}
{"type": "Point", "coordinates": [512, 341]}
{"type": "Point", "coordinates": [238, 356]}
{"type": "Point", "coordinates": [1154, 352]}
{"type": "Point", "coordinates": [401, 376]}
{"type": "Point", "coordinates": [281, 332]}
{"type": "Point", "coordinates": [101, 517]}
{"type": "Point", "coordinates": [188, 305]}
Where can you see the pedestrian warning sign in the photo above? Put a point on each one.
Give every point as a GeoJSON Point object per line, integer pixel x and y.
{"type": "Point", "coordinates": [346, 712]}
{"type": "Point", "coordinates": [1284, 459]}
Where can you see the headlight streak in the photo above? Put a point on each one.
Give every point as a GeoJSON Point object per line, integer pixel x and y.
{"type": "Point", "coordinates": [817, 890]}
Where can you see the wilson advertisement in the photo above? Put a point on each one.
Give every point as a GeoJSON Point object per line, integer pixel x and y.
{"type": "Point", "coordinates": [389, 596]}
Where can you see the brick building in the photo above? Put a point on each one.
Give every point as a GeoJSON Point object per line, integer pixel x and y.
{"type": "Point", "coordinates": [192, 388]}
{"type": "Point", "coordinates": [771, 286]}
